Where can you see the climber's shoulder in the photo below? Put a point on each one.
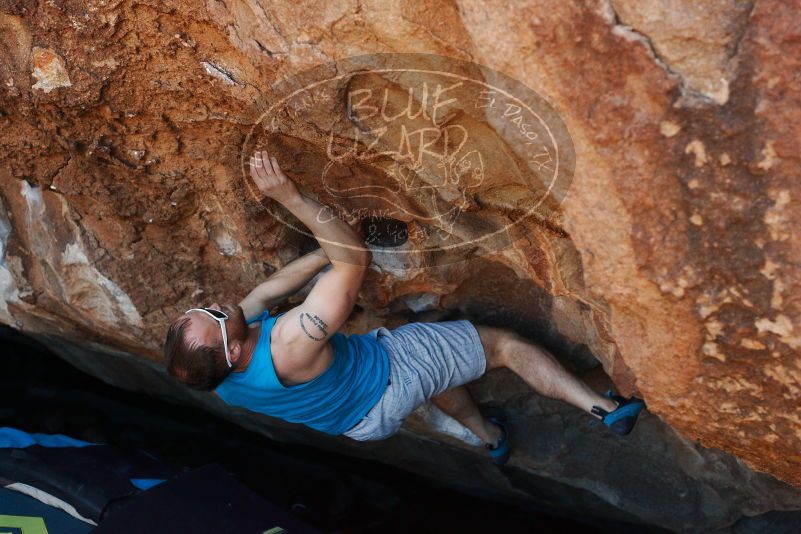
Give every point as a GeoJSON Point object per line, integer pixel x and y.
{"type": "Point", "coordinates": [297, 362]}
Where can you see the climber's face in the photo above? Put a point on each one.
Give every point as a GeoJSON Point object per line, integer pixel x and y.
{"type": "Point", "coordinates": [203, 330]}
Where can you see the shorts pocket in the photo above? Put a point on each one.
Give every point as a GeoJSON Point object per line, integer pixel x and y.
{"type": "Point", "coordinates": [407, 396]}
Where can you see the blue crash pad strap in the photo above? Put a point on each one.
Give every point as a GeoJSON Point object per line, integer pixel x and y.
{"type": "Point", "coordinates": [146, 483]}
{"type": "Point", "coordinates": [11, 438]}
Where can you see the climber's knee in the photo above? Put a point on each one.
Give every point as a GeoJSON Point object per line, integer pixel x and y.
{"type": "Point", "coordinates": [499, 345]}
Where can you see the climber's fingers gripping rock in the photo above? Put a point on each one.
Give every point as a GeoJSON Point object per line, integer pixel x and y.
{"type": "Point", "coordinates": [270, 179]}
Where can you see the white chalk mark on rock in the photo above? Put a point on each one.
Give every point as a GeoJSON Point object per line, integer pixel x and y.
{"type": "Point", "coordinates": [8, 289]}
{"type": "Point", "coordinates": [78, 283]}
{"type": "Point", "coordinates": [88, 289]}
{"type": "Point", "coordinates": [218, 72]}
{"type": "Point", "coordinates": [48, 69]}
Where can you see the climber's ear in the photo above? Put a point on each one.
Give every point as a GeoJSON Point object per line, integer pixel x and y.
{"type": "Point", "coordinates": [234, 351]}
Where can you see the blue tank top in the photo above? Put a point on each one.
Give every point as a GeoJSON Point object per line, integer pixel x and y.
{"type": "Point", "coordinates": [333, 402]}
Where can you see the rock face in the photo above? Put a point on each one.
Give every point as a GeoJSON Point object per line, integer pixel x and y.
{"type": "Point", "coordinates": [669, 260]}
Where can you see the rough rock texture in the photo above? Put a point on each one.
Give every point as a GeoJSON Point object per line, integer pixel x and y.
{"type": "Point", "coordinates": [672, 260]}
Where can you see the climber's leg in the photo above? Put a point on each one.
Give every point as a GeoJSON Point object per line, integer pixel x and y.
{"type": "Point", "coordinates": [538, 367]}
{"type": "Point", "coordinates": [459, 404]}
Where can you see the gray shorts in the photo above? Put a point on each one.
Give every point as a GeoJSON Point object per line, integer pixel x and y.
{"type": "Point", "coordinates": [425, 359]}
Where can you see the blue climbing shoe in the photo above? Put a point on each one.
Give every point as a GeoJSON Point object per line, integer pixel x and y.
{"type": "Point", "coordinates": [499, 453]}
{"type": "Point", "coordinates": [622, 419]}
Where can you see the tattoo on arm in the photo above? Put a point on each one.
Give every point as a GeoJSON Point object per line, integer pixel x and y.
{"type": "Point", "coordinates": [312, 325]}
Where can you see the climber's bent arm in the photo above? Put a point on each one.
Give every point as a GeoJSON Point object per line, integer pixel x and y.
{"type": "Point", "coordinates": [340, 242]}
{"type": "Point", "coordinates": [283, 283]}
{"type": "Point", "coordinates": [301, 334]}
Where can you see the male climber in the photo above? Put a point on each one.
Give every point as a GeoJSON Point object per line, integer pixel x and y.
{"type": "Point", "coordinates": [296, 365]}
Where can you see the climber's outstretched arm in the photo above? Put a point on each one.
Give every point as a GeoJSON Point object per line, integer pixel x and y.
{"type": "Point", "coordinates": [341, 243]}
{"type": "Point", "coordinates": [283, 283]}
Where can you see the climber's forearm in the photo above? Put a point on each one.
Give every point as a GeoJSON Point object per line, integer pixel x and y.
{"type": "Point", "coordinates": [339, 241]}
{"type": "Point", "coordinates": [341, 244]}
{"type": "Point", "coordinates": [297, 273]}
{"type": "Point", "coordinates": [284, 283]}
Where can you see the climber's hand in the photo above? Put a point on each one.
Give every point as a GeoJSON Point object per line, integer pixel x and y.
{"type": "Point", "coordinates": [270, 179]}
